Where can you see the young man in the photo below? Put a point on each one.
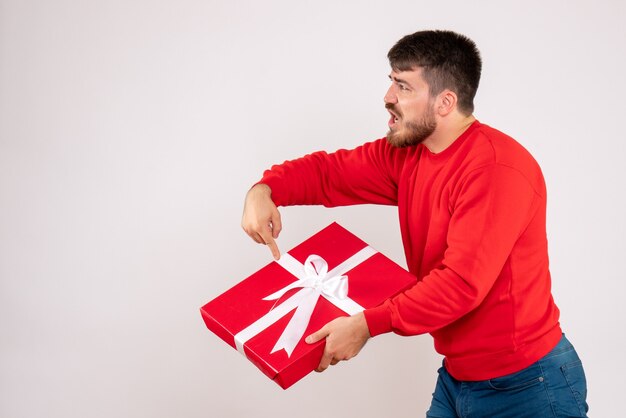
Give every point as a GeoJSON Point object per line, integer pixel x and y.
{"type": "Point", "coordinates": [472, 209]}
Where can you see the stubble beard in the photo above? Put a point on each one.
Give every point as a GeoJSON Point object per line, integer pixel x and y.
{"type": "Point", "coordinates": [414, 132]}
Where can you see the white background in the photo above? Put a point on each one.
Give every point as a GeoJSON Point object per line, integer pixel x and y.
{"type": "Point", "coordinates": [131, 130]}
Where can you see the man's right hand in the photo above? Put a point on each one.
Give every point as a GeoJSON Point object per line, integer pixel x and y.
{"type": "Point", "coordinates": [261, 219]}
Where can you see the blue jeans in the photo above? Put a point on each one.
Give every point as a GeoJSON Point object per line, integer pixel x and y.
{"type": "Point", "coordinates": [554, 386]}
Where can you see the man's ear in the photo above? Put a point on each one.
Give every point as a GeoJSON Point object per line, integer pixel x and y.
{"type": "Point", "coordinates": [446, 102]}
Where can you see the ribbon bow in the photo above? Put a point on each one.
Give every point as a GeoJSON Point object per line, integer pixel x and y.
{"type": "Point", "coordinates": [314, 280]}
{"type": "Point", "coordinates": [317, 282]}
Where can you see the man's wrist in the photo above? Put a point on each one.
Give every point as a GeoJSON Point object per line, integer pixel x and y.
{"type": "Point", "coordinates": [378, 320]}
{"type": "Point", "coordinates": [262, 187]}
{"type": "Point", "coordinates": [362, 324]}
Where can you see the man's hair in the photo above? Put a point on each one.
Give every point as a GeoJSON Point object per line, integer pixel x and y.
{"type": "Point", "coordinates": [448, 61]}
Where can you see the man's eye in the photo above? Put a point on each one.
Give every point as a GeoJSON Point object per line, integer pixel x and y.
{"type": "Point", "coordinates": [403, 87]}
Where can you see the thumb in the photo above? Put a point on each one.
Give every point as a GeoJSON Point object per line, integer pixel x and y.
{"type": "Point", "coordinates": [317, 336]}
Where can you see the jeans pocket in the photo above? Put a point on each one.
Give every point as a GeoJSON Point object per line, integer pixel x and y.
{"type": "Point", "coordinates": [575, 377]}
{"type": "Point", "coordinates": [529, 376]}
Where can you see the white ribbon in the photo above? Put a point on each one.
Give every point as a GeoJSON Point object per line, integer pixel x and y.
{"type": "Point", "coordinates": [315, 280]}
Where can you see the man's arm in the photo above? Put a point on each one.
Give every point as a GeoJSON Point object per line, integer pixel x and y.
{"type": "Point", "coordinates": [366, 174]}
{"type": "Point", "coordinates": [493, 209]}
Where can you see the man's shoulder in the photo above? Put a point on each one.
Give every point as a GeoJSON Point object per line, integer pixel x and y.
{"type": "Point", "coordinates": [491, 146]}
{"type": "Point", "coordinates": [503, 148]}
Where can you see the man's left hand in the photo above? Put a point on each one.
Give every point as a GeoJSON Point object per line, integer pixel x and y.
{"type": "Point", "coordinates": [345, 336]}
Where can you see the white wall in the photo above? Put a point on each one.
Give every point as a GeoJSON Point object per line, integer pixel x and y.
{"type": "Point", "coordinates": [131, 130]}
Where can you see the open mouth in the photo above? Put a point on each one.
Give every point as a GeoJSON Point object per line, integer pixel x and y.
{"type": "Point", "coordinates": [393, 120]}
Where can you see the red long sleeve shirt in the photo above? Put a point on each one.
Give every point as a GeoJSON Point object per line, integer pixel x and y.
{"type": "Point", "coordinates": [473, 221]}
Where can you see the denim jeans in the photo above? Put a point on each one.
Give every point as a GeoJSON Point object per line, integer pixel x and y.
{"type": "Point", "coordinates": [555, 386]}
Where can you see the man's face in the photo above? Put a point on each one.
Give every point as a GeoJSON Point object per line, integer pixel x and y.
{"type": "Point", "coordinates": [412, 115]}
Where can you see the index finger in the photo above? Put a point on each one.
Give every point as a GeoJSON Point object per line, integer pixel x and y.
{"type": "Point", "coordinates": [271, 244]}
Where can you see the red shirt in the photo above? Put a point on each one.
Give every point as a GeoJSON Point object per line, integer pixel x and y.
{"type": "Point", "coordinates": [473, 223]}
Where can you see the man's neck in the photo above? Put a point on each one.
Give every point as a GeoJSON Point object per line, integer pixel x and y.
{"type": "Point", "coordinates": [448, 130]}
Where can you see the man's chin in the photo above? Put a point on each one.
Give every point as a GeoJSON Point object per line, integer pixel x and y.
{"type": "Point", "coordinates": [399, 140]}
{"type": "Point", "coordinates": [411, 134]}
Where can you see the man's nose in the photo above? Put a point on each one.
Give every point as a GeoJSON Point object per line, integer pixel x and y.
{"type": "Point", "coordinates": [390, 97]}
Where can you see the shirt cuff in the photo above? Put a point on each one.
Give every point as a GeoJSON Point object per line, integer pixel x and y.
{"type": "Point", "coordinates": [277, 189]}
{"type": "Point", "coordinates": [378, 319]}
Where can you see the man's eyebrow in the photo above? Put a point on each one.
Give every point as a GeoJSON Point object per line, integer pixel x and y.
{"type": "Point", "coordinates": [398, 80]}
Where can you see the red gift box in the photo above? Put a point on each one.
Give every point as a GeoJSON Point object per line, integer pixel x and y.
{"type": "Point", "coordinates": [268, 315]}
